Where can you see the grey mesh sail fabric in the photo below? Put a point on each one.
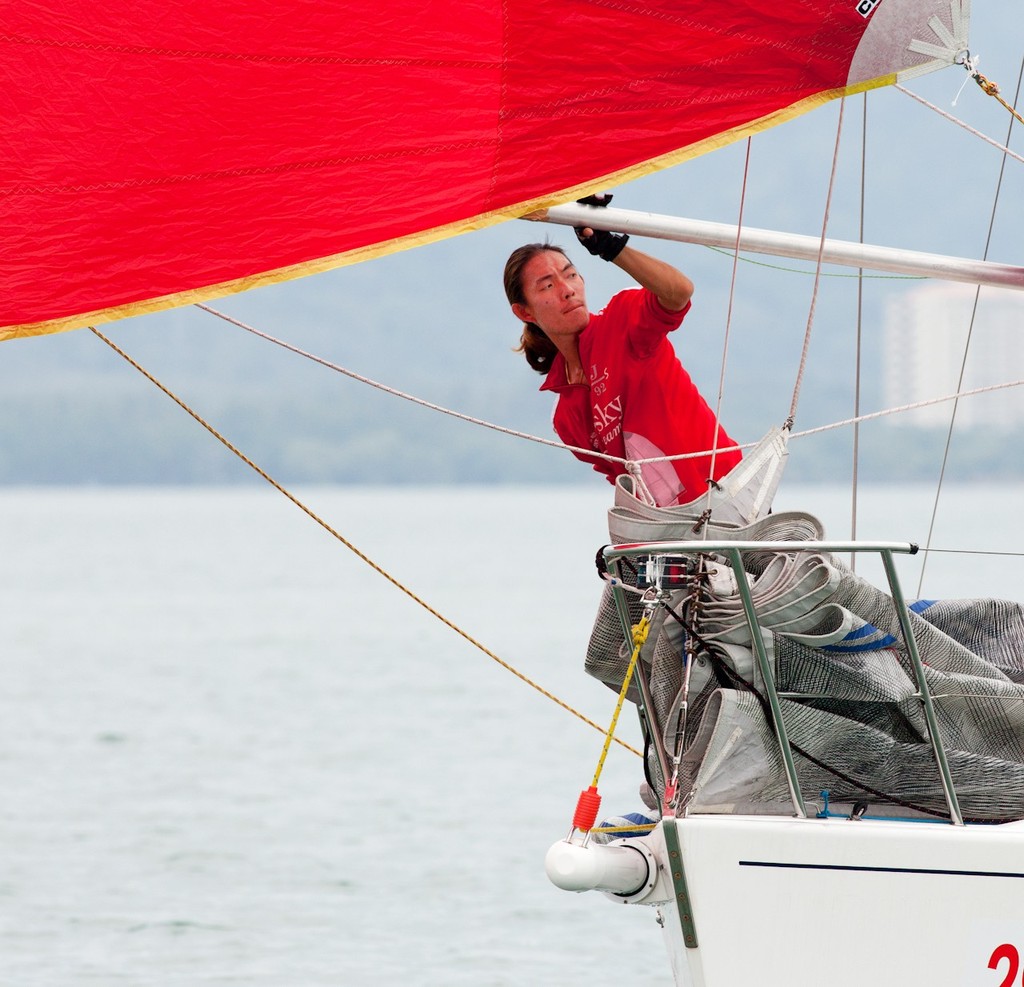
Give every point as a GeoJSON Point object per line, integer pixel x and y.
{"type": "Point", "coordinates": [739, 497]}
{"type": "Point", "coordinates": [858, 731]}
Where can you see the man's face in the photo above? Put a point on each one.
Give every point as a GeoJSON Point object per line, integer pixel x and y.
{"type": "Point", "coordinates": [555, 297]}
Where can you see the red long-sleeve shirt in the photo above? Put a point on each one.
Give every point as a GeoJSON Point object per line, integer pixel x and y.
{"type": "Point", "coordinates": [639, 401]}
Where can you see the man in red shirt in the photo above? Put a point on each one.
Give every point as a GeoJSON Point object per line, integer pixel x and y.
{"type": "Point", "coordinates": [621, 388]}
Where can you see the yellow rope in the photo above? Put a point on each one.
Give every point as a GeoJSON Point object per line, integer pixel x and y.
{"type": "Point", "coordinates": [991, 89]}
{"type": "Point", "coordinates": [625, 829]}
{"type": "Point", "coordinates": [639, 636]}
{"type": "Point", "coordinates": [352, 548]}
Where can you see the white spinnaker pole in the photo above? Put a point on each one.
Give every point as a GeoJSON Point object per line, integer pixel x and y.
{"type": "Point", "coordinates": [793, 245]}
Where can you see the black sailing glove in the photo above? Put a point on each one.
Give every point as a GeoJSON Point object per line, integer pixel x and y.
{"type": "Point", "coordinates": [601, 243]}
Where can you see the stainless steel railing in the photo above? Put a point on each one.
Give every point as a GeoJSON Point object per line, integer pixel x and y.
{"type": "Point", "coordinates": [662, 552]}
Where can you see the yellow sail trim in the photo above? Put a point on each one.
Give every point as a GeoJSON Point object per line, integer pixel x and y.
{"type": "Point", "coordinates": [382, 248]}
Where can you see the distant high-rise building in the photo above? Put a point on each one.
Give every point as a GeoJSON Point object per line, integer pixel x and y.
{"type": "Point", "coordinates": [925, 351]}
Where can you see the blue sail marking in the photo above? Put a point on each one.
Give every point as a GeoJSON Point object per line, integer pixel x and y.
{"type": "Point", "coordinates": [866, 637]}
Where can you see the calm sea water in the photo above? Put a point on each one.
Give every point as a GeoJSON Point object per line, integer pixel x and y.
{"type": "Point", "coordinates": [232, 753]}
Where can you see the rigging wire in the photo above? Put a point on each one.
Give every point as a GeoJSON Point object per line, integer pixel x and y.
{"type": "Point", "coordinates": [842, 423]}
{"type": "Point", "coordinates": [817, 274]}
{"type": "Point", "coordinates": [429, 405]}
{"type": "Point", "coordinates": [855, 471]}
{"type": "Point", "coordinates": [298, 351]}
{"type": "Point", "coordinates": [972, 551]}
{"type": "Point", "coordinates": [855, 420]}
{"type": "Point", "coordinates": [728, 314]}
{"type": "Point", "coordinates": [351, 547]}
{"type": "Point", "coordinates": [825, 274]}
{"type": "Point", "coordinates": [974, 311]}
{"type": "Point", "coordinates": [552, 443]}
{"type": "Point", "coordinates": [971, 392]}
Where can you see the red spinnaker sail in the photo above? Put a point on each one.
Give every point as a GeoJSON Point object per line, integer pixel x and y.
{"type": "Point", "coordinates": [159, 153]}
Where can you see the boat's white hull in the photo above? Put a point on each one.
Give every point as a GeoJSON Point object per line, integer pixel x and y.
{"type": "Point", "coordinates": [780, 902]}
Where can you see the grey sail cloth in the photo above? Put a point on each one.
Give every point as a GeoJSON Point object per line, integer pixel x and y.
{"type": "Point", "coordinates": [835, 638]}
{"type": "Point", "coordinates": [608, 654]}
{"type": "Point", "coordinates": [741, 496]}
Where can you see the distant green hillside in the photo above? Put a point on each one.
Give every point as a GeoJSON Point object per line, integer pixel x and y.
{"type": "Point", "coordinates": [347, 434]}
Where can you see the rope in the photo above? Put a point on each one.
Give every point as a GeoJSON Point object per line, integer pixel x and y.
{"type": "Point", "coordinates": [728, 316]}
{"type": "Point", "coordinates": [352, 548]}
{"type": "Point", "coordinates": [907, 407]}
{"type": "Point", "coordinates": [991, 89]}
{"type": "Point", "coordinates": [640, 632]}
{"type": "Point", "coordinates": [960, 123]}
{"type": "Point", "coordinates": [408, 397]}
{"type": "Point", "coordinates": [627, 464]}
{"type": "Point", "coordinates": [635, 827]}
{"type": "Point", "coordinates": [817, 273]}
{"type": "Point", "coordinates": [855, 451]}
{"type": "Point", "coordinates": [589, 802]}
